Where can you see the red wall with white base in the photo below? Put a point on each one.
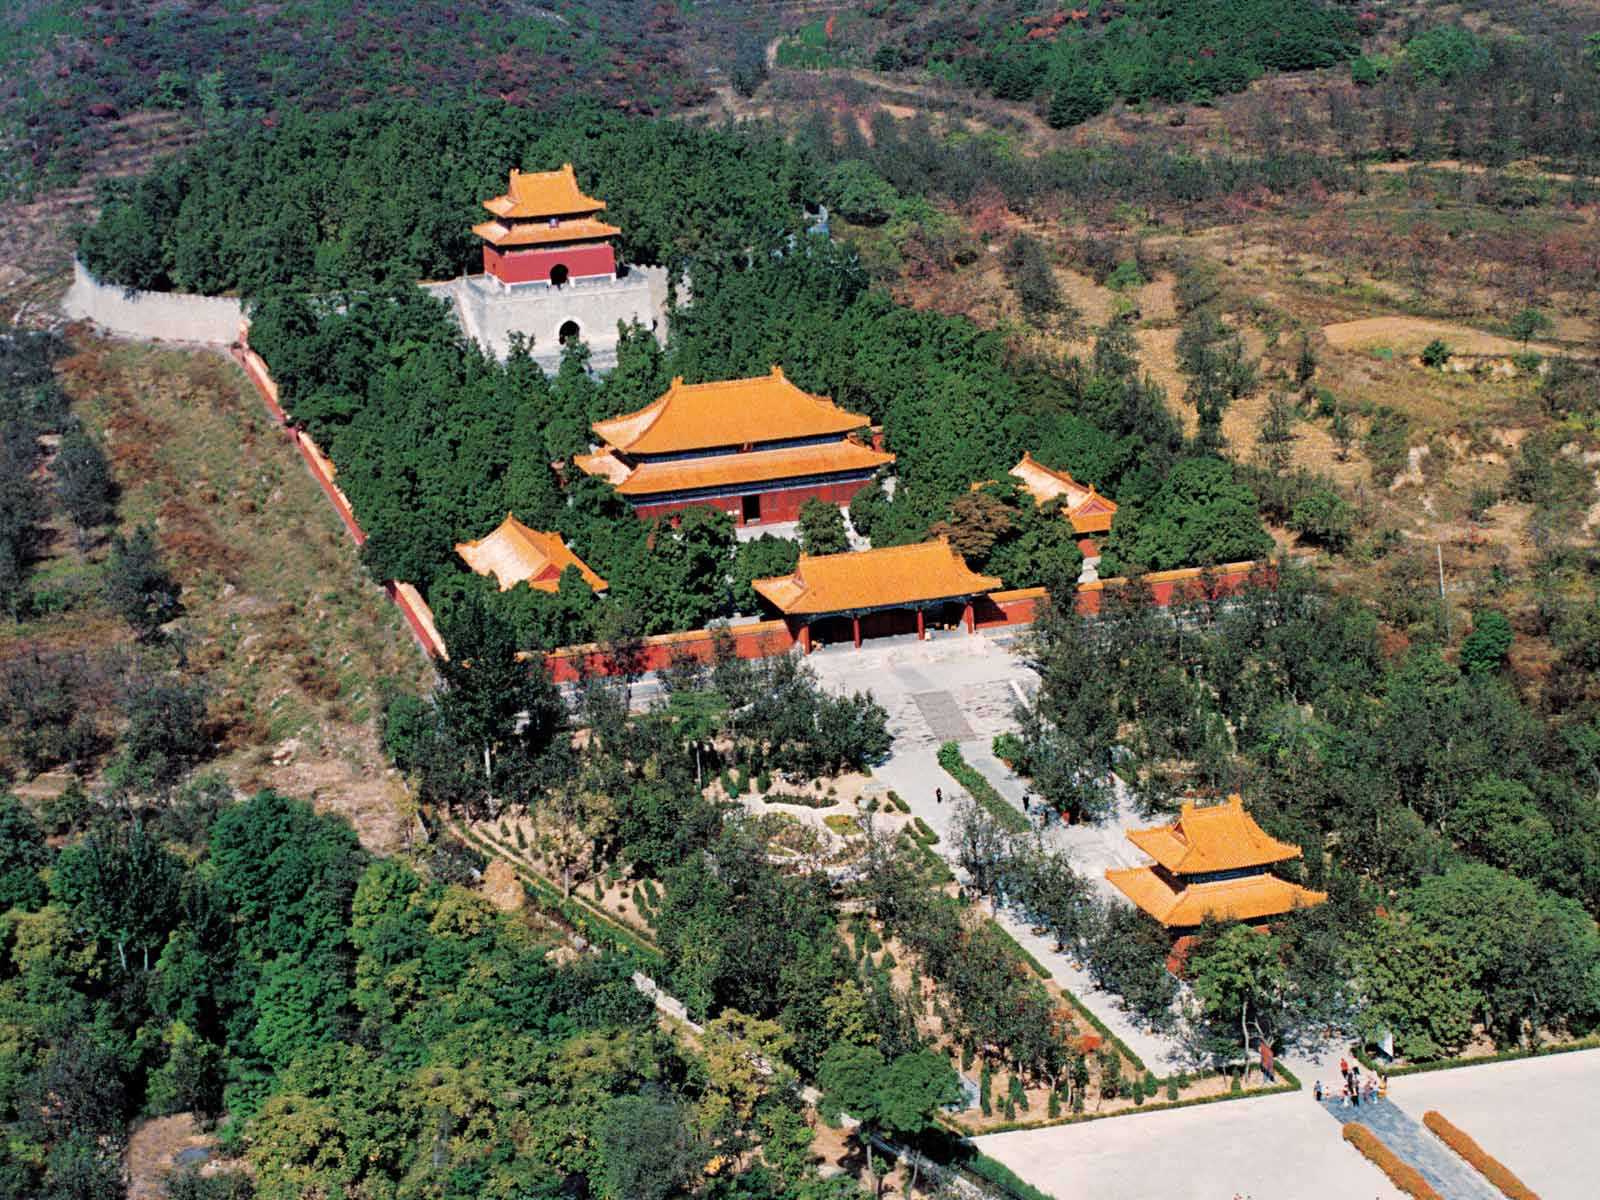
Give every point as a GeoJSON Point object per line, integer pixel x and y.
{"type": "Point", "coordinates": [776, 506]}
{"type": "Point", "coordinates": [534, 266]}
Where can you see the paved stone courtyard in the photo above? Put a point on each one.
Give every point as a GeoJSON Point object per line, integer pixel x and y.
{"type": "Point", "coordinates": [1534, 1115]}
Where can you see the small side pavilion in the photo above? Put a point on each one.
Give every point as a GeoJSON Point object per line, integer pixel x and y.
{"type": "Point", "coordinates": [515, 554]}
{"type": "Point", "coordinates": [1212, 861]}
{"type": "Point", "coordinates": [876, 593]}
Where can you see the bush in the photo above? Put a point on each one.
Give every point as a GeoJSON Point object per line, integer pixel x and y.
{"type": "Point", "coordinates": [925, 832]}
{"type": "Point", "coordinates": [1479, 1159]}
{"type": "Point", "coordinates": [1007, 747]}
{"type": "Point", "coordinates": [1324, 517]}
{"type": "Point", "coordinates": [1404, 1176]}
{"type": "Point", "coordinates": [1484, 650]}
{"type": "Point", "coordinates": [1436, 353]}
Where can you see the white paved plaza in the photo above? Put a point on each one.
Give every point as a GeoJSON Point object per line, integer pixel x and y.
{"type": "Point", "coordinates": [1536, 1115]}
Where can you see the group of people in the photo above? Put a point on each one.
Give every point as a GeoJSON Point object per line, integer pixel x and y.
{"type": "Point", "coordinates": [1356, 1089]}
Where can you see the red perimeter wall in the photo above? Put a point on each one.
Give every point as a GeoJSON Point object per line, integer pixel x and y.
{"type": "Point", "coordinates": [761, 640]}
{"type": "Point", "coordinates": [776, 506]}
{"type": "Point", "coordinates": [531, 266]}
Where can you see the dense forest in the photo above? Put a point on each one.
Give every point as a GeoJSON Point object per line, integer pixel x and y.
{"type": "Point", "coordinates": [220, 66]}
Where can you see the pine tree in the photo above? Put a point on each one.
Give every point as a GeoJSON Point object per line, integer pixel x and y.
{"type": "Point", "coordinates": [139, 586]}
{"type": "Point", "coordinates": [84, 484]}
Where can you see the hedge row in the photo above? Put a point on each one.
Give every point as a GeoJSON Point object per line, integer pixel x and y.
{"type": "Point", "coordinates": [1401, 1173]}
{"type": "Point", "coordinates": [1003, 1177]}
{"type": "Point", "coordinates": [596, 927]}
{"type": "Point", "coordinates": [804, 800]}
{"type": "Point", "coordinates": [1450, 1064]}
{"type": "Point", "coordinates": [981, 790]}
{"type": "Point", "coordinates": [1486, 1164]}
{"type": "Point", "coordinates": [1290, 1084]}
{"type": "Point", "coordinates": [1037, 967]}
{"type": "Point", "coordinates": [1104, 1031]}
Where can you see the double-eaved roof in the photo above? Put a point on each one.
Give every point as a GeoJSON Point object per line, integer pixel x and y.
{"type": "Point", "coordinates": [859, 581]}
{"type": "Point", "coordinates": [765, 428]}
{"type": "Point", "coordinates": [1206, 841]}
{"type": "Point", "coordinates": [728, 412]}
{"type": "Point", "coordinates": [515, 554]}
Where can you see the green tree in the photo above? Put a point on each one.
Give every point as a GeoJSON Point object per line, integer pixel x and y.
{"type": "Point", "coordinates": [165, 736]}
{"type": "Point", "coordinates": [1239, 980]}
{"type": "Point", "coordinates": [822, 528]}
{"type": "Point", "coordinates": [760, 558]}
{"type": "Point", "coordinates": [1412, 984]}
{"type": "Point", "coordinates": [858, 193]}
{"type": "Point", "coordinates": [22, 853]}
{"type": "Point", "coordinates": [123, 889]}
{"type": "Point", "coordinates": [1080, 93]}
{"type": "Point", "coordinates": [504, 708]}
{"type": "Point", "coordinates": [646, 1146]}
{"type": "Point", "coordinates": [1484, 650]}
{"type": "Point", "coordinates": [1528, 324]}
{"type": "Point", "coordinates": [138, 586]}
{"type": "Point", "coordinates": [84, 484]}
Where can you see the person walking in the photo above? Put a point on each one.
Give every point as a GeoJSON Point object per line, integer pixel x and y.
{"type": "Point", "coordinates": [1317, 1091]}
{"type": "Point", "coordinates": [938, 795]}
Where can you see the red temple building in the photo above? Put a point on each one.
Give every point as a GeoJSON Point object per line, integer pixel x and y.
{"type": "Point", "coordinates": [1213, 861]}
{"type": "Point", "coordinates": [875, 593]}
{"type": "Point", "coordinates": [515, 554]}
{"type": "Point", "coordinates": [756, 448]}
{"type": "Point", "coordinates": [545, 230]}
{"type": "Point", "coordinates": [1087, 509]}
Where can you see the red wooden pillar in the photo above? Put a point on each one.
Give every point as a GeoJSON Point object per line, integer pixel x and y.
{"type": "Point", "coordinates": [922, 627]}
{"type": "Point", "coordinates": [805, 637]}
{"type": "Point", "coordinates": [855, 629]}
{"type": "Point", "coordinates": [969, 618]}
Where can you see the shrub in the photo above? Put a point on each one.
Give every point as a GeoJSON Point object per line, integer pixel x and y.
{"type": "Point", "coordinates": [981, 790]}
{"type": "Point", "coordinates": [1007, 747]}
{"type": "Point", "coordinates": [1479, 1159]}
{"type": "Point", "coordinates": [764, 782]}
{"type": "Point", "coordinates": [1126, 276]}
{"type": "Point", "coordinates": [925, 833]}
{"type": "Point", "coordinates": [1325, 517]}
{"type": "Point", "coordinates": [1172, 1089]}
{"type": "Point", "coordinates": [1436, 353]}
{"type": "Point", "coordinates": [1404, 1176]}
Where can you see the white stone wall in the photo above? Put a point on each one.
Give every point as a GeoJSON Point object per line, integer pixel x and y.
{"type": "Point", "coordinates": [489, 313]}
{"type": "Point", "coordinates": [169, 316]}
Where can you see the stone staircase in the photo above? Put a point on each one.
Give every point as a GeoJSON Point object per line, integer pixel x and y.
{"type": "Point", "coordinates": [1440, 1166]}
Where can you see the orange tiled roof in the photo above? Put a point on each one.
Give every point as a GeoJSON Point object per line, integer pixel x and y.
{"type": "Point", "coordinates": [730, 470]}
{"type": "Point", "coordinates": [885, 578]}
{"type": "Point", "coordinates": [1087, 509]}
{"type": "Point", "coordinates": [497, 234]}
{"type": "Point", "coordinates": [543, 194]}
{"type": "Point", "coordinates": [1217, 837]}
{"type": "Point", "coordinates": [1247, 899]}
{"type": "Point", "coordinates": [515, 554]}
{"type": "Point", "coordinates": [730, 412]}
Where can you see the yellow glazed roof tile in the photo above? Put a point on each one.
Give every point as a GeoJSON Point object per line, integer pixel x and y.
{"type": "Point", "coordinates": [1087, 509]}
{"type": "Point", "coordinates": [1217, 837]}
{"type": "Point", "coordinates": [884, 578]}
{"type": "Point", "coordinates": [497, 234]}
{"type": "Point", "coordinates": [1248, 899]}
{"type": "Point", "coordinates": [515, 554]}
{"type": "Point", "coordinates": [543, 194]}
{"type": "Point", "coordinates": [730, 412]}
{"type": "Point", "coordinates": [731, 470]}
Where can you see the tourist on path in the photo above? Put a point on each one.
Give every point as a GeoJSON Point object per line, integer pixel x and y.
{"type": "Point", "coordinates": [1317, 1091]}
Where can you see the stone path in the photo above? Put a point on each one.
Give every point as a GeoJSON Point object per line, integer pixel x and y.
{"type": "Point", "coordinates": [942, 715]}
{"type": "Point", "coordinates": [1440, 1166]}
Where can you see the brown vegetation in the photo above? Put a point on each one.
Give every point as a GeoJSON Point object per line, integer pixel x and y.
{"type": "Point", "coordinates": [1483, 1162]}
{"type": "Point", "coordinates": [1402, 1174]}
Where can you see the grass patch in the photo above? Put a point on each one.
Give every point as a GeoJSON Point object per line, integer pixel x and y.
{"type": "Point", "coordinates": [842, 824]}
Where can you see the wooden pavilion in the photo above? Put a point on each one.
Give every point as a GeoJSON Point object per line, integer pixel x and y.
{"type": "Point", "coordinates": [876, 592]}
{"type": "Point", "coordinates": [1213, 861]}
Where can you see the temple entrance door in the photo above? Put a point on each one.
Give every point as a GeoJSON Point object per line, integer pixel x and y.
{"type": "Point", "coordinates": [559, 274]}
{"type": "Point", "coordinates": [568, 332]}
{"type": "Point", "coordinates": [750, 510]}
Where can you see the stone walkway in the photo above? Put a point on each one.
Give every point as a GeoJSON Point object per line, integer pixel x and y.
{"type": "Point", "coordinates": [1451, 1177]}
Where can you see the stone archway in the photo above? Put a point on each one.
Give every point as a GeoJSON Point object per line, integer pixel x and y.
{"type": "Point", "coordinates": [559, 275]}
{"type": "Point", "coordinates": [569, 332]}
